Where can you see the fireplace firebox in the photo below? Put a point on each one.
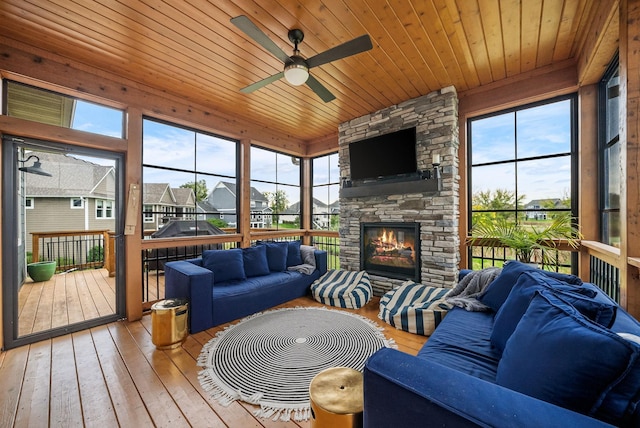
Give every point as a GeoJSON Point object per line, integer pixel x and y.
{"type": "Point", "coordinates": [391, 249]}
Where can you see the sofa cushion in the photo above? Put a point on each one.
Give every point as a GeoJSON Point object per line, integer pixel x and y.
{"type": "Point", "coordinates": [276, 255]}
{"type": "Point", "coordinates": [225, 264]}
{"type": "Point", "coordinates": [461, 342]}
{"type": "Point", "coordinates": [526, 286]}
{"type": "Point", "coordinates": [255, 261]}
{"type": "Point", "coordinates": [552, 356]}
{"type": "Point", "coordinates": [293, 254]}
{"type": "Point", "coordinates": [496, 293]}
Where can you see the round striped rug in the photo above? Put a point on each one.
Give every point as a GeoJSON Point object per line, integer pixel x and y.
{"type": "Point", "coordinates": [270, 358]}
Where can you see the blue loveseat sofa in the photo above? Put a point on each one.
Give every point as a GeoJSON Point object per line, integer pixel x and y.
{"type": "Point", "coordinates": [225, 285]}
{"type": "Point", "coordinates": [551, 351]}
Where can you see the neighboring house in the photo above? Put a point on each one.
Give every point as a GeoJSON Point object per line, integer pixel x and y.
{"type": "Point", "coordinates": [221, 204]}
{"type": "Point", "coordinates": [80, 195]}
{"type": "Point", "coordinates": [542, 204]}
{"type": "Point", "coordinates": [320, 218]}
{"type": "Point", "coordinates": [163, 203]}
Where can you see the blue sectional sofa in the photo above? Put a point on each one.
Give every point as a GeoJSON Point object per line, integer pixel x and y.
{"type": "Point", "coordinates": [225, 285]}
{"type": "Point", "coordinates": [550, 351]}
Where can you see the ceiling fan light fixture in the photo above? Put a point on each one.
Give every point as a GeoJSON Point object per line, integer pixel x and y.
{"type": "Point", "coordinates": [296, 72]}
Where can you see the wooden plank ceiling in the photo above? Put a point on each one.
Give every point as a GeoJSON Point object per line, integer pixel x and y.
{"type": "Point", "coordinates": [189, 48]}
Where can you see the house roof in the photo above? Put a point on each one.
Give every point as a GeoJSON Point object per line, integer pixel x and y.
{"type": "Point", "coordinates": [70, 177]}
{"type": "Point", "coordinates": [255, 193]}
{"type": "Point", "coordinates": [193, 53]}
{"type": "Point", "coordinates": [183, 195]}
{"type": "Point", "coordinates": [154, 193]}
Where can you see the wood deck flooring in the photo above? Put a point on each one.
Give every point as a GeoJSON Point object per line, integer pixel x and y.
{"type": "Point", "coordinates": [112, 375]}
{"type": "Point", "coordinates": [67, 298]}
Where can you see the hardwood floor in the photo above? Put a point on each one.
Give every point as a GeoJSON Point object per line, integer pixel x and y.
{"type": "Point", "coordinates": [113, 376]}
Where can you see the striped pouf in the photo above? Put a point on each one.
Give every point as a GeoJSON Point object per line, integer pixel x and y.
{"type": "Point", "coordinates": [415, 308]}
{"type": "Point", "coordinates": [343, 289]}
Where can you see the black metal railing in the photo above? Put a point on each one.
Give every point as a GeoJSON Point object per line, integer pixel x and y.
{"type": "Point", "coordinates": [331, 244]}
{"type": "Point", "coordinates": [605, 276]}
{"type": "Point", "coordinates": [482, 257]}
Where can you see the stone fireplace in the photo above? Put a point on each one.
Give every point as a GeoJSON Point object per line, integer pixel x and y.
{"type": "Point", "coordinates": [430, 211]}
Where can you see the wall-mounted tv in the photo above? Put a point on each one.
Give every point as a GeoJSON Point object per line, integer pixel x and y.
{"type": "Point", "coordinates": [384, 156]}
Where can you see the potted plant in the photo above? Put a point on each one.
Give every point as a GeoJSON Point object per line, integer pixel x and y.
{"type": "Point", "coordinates": [531, 244]}
{"type": "Point", "coordinates": [41, 271]}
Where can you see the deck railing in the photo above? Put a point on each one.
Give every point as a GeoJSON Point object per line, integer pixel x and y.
{"type": "Point", "coordinates": [604, 267]}
{"type": "Point", "coordinates": [72, 250]}
{"type": "Point", "coordinates": [602, 262]}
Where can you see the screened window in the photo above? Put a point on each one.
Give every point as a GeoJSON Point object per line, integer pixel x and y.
{"type": "Point", "coordinates": [275, 190]}
{"type": "Point", "coordinates": [326, 186]}
{"type": "Point", "coordinates": [609, 94]}
{"type": "Point", "coordinates": [188, 175]}
{"type": "Point", "coordinates": [39, 105]}
{"type": "Point", "coordinates": [521, 168]}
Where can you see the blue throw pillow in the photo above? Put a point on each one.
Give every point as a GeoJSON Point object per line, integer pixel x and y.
{"type": "Point", "coordinates": [528, 283]}
{"type": "Point", "coordinates": [497, 292]}
{"type": "Point", "coordinates": [277, 255]}
{"type": "Point", "coordinates": [225, 264]}
{"type": "Point", "coordinates": [557, 355]}
{"type": "Point", "coordinates": [293, 255]}
{"type": "Point", "coordinates": [255, 261]}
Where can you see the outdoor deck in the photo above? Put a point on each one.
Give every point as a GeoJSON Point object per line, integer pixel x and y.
{"type": "Point", "coordinates": [112, 375]}
{"type": "Point", "coordinates": [67, 298]}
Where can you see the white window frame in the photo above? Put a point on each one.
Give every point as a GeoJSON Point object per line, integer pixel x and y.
{"type": "Point", "coordinates": [29, 203]}
{"type": "Point", "coordinates": [102, 207]}
{"type": "Point", "coordinates": [76, 207]}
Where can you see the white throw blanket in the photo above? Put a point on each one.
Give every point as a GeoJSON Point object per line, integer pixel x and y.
{"type": "Point", "coordinates": [465, 293]}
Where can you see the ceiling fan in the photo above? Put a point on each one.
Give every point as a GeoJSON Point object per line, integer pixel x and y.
{"type": "Point", "coordinates": [296, 68]}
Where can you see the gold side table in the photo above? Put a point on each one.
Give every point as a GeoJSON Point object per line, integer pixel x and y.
{"type": "Point", "coordinates": [336, 396]}
{"type": "Point", "coordinates": [169, 323]}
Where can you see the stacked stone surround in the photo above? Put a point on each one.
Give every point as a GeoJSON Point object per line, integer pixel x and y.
{"type": "Point", "coordinates": [435, 117]}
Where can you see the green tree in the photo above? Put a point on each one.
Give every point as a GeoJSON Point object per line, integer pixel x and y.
{"type": "Point", "coordinates": [199, 189]}
{"type": "Point", "coordinates": [277, 200]}
{"type": "Point", "coordinates": [495, 200]}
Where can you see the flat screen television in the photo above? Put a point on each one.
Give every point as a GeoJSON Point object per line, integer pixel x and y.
{"type": "Point", "coordinates": [384, 156]}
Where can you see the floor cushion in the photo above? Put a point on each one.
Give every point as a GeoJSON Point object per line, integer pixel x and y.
{"type": "Point", "coordinates": [342, 288]}
{"type": "Point", "coordinates": [416, 308]}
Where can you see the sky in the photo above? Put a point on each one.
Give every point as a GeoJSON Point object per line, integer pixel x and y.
{"type": "Point", "coordinates": [178, 148]}
{"type": "Point", "coordinates": [542, 130]}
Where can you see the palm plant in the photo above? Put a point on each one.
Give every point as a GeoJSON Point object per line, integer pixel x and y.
{"type": "Point", "coordinates": [531, 244]}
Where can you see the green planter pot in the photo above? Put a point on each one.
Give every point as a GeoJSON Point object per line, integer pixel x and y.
{"type": "Point", "coordinates": [41, 271]}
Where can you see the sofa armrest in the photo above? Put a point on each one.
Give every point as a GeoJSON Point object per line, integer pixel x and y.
{"type": "Point", "coordinates": [403, 390]}
{"type": "Point", "coordinates": [184, 279]}
{"type": "Point", "coordinates": [321, 261]}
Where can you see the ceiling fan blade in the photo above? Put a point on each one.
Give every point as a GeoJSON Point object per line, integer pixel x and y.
{"type": "Point", "coordinates": [251, 30]}
{"type": "Point", "coordinates": [355, 46]}
{"type": "Point", "coordinates": [320, 90]}
{"type": "Point", "coordinates": [261, 83]}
